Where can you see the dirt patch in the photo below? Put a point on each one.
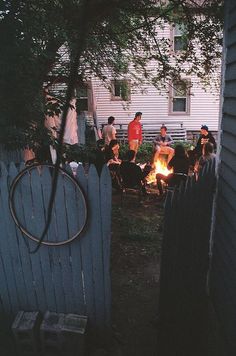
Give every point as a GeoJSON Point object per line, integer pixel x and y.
{"type": "Point", "coordinates": [135, 263]}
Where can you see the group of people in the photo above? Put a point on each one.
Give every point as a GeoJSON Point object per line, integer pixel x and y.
{"type": "Point", "coordinates": [134, 132]}
{"type": "Point", "coordinates": [180, 161]}
{"type": "Point", "coordinates": [124, 173]}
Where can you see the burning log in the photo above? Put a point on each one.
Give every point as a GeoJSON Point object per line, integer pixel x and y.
{"type": "Point", "coordinates": [159, 167]}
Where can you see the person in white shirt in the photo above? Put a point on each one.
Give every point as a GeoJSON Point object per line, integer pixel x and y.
{"type": "Point", "coordinates": [109, 131]}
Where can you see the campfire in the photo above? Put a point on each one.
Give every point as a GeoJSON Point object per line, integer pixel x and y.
{"type": "Point", "coordinates": [160, 166]}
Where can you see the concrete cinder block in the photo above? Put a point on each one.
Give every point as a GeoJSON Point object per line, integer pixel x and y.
{"type": "Point", "coordinates": [25, 329]}
{"type": "Point", "coordinates": [63, 334]}
{"type": "Point", "coordinates": [50, 331]}
{"type": "Point", "coordinates": [74, 332]}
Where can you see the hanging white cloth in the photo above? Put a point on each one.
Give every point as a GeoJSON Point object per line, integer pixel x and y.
{"type": "Point", "coordinates": [71, 129]}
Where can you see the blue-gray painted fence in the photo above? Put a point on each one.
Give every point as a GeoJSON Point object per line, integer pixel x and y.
{"type": "Point", "coordinates": [10, 156]}
{"type": "Point", "coordinates": [74, 278]}
{"type": "Point", "coordinates": [185, 265]}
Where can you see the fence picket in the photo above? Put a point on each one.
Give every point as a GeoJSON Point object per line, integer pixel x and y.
{"type": "Point", "coordinates": [96, 243]}
{"type": "Point", "coordinates": [74, 209]}
{"type": "Point", "coordinates": [7, 300]}
{"type": "Point", "coordinates": [105, 201]}
{"type": "Point", "coordinates": [24, 194]}
{"type": "Point", "coordinates": [53, 252]}
{"type": "Point", "coordinates": [64, 251]}
{"type": "Point", "coordinates": [10, 247]}
{"type": "Point", "coordinates": [86, 253]}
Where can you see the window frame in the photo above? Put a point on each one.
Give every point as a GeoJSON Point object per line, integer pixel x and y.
{"type": "Point", "coordinates": [119, 98]}
{"type": "Point", "coordinates": [188, 97]}
{"type": "Point", "coordinates": [84, 86]}
{"type": "Point", "coordinates": [173, 36]}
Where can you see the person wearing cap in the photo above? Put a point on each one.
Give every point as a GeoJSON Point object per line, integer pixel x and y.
{"type": "Point", "coordinates": [135, 132]}
{"type": "Point", "coordinates": [162, 144]}
{"type": "Point", "coordinates": [205, 136]}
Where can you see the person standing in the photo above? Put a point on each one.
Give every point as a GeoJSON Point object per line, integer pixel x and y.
{"type": "Point", "coordinates": [109, 131]}
{"type": "Point", "coordinates": [135, 132]}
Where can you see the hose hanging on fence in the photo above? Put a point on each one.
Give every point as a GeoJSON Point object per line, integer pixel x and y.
{"type": "Point", "coordinates": [19, 224]}
{"type": "Point", "coordinates": [81, 40]}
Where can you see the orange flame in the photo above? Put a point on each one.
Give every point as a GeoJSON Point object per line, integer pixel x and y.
{"type": "Point", "coordinates": [160, 166]}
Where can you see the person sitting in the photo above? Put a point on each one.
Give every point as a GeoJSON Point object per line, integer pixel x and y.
{"type": "Point", "coordinates": [207, 156]}
{"type": "Point", "coordinates": [180, 166]}
{"type": "Point", "coordinates": [205, 136]}
{"type": "Point", "coordinates": [112, 153]}
{"type": "Point", "coordinates": [113, 162]}
{"type": "Point", "coordinates": [131, 174]}
{"type": "Point", "coordinates": [162, 144]}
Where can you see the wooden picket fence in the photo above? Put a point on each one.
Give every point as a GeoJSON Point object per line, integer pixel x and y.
{"type": "Point", "coordinates": [184, 266]}
{"type": "Point", "coordinates": [10, 156]}
{"type": "Point", "coordinates": [74, 278]}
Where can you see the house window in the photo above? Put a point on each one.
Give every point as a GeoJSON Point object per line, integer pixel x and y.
{"type": "Point", "coordinates": [180, 97]}
{"type": "Point", "coordinates": [120, 89]}
{"type": "Point", "coordinates": [82, 97]}
{"type": "Point", "coordinates": [179, 40]}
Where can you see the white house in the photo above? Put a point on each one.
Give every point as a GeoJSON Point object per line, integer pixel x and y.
{"type": "Point", "coordinates": [186, 102]}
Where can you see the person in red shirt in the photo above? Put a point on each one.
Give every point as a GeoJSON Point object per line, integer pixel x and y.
{"type": "Point", "coordinates": [135, 132]}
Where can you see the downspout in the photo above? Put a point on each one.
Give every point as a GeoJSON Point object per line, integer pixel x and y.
{"type": "Point", "coordinates": [97, 131]}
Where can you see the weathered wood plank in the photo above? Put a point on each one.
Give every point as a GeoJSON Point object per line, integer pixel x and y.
{"type": "Point", "coordinates": [222, 200]}
{"type": "Point", "coordinates": [229, 142]}
{"type": "Point", "coordinates": [54, 258]}
{"type": "Point", "coordinates": [228, 157]}
{"type": "Point", "coordinates": [229, 106]}
{"type": "Point", "coordinates": [228, 173]}
{"type": "Point", "coordinates": [231, 56]}
{"type": "Point", "coordinates": [226, 190]}
{"type": "Point", "coordinates": [229, 89]}
{"type": "Point", "coordinates": [222, 306]}
{"type": "Point", "coordinates": [95, 233]}
{"type": "Point", "coordinates": [223, 214]}
{"type": "Point", "coordinates": [231, 36]}
{"type": "Point", "coordinates": [13, 243]}
{"type": "Point", "coordinates": [74, 209]}
{"type": "Point", "coordinates": [24, 200]}
{"type": "Point", "coordinates": [38, 222]}
{"type": "Point", "coordinates": [8, 298]}
{"type": "Point", "coordinates": [86, 253]}
{"type": "Point", "coordinates": [229, 123]}
{"type": "Point", "coordinates": [64, 251]}
{"type": "Point", "coordinates": [105, 208]}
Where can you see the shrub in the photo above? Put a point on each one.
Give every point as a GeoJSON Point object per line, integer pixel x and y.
{"type": "Point", "coordinates": [144, 154]}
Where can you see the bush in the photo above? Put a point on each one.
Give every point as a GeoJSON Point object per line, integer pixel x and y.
{"type": "Point", "coordinates": [79, 153]}
{"type": "Point", "coordinates": [145, 152]}
{"type": "Point", "coordinates": [187, 144]}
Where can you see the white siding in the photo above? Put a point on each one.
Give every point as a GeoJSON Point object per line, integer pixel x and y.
{"type": "Point", "coordinates": [204, 107]}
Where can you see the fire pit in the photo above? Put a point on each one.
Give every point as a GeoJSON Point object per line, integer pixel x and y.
{"type": "Point", "coordinates": [159, 167]}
